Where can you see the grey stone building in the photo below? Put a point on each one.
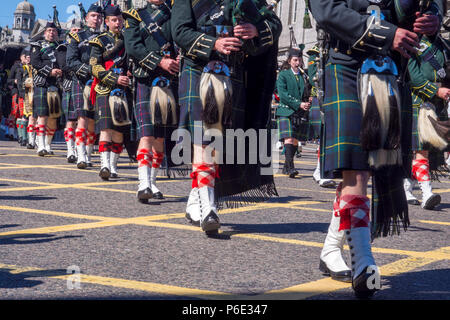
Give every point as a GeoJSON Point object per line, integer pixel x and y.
{"type": "Point", "coordinates": [23, 24]}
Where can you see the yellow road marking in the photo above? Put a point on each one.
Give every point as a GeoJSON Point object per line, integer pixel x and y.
{"type": "Point", "coordinates": [327, 285]}
{"type": "Point", "coordinates": [127, 284]}
{"type": "Point", "coordinates": [435, 222]}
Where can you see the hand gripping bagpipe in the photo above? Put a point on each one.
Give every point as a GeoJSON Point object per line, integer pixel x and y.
{"type": "Point", "coordinates": [378, 90]}
{"type": "Point", "coordinates": [432, 132]}
{"type": "Point", "coordinates": [215, 83]}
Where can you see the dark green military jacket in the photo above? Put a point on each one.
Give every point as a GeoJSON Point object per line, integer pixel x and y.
{"type": "Point", "coordinates": [423, 76]}
{"type": "Point", "coordinates": [290, 89]}
{"type": "Point", "coordinates": [107, 48]}
{"type": "Point", "coordinates": [196, 36]}
{"type": "Point", "coordinates": [142, 46]}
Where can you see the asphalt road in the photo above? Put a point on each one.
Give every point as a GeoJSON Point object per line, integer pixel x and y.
{"type": "Point", "coordinates": [56, 220]}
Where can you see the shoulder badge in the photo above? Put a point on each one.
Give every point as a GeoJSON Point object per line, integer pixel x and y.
{"type": "Point", "coordinates": [132, 13]}
{"type": "Point", "coordinates": [96, 41]}
{"type": "Point", "coordinates": [75, 36]}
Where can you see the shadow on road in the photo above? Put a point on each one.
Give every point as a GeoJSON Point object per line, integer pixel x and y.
{"type": "Point", "coordinates": [10, 280]}
{"type": "Point", "coordinates": [276, 228]}
{"type": "Point", "coordinates": [31, 238]}
{"type": "Point", "coordinates": [29, 197]}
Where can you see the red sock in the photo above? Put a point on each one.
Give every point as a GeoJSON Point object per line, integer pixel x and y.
{"type": "Point", "coordinates": [80, 135]}
{"type": "Point", "coordinates": [117, 147]}
{"type": "Point", "coordinates": [144, 158]}
{"type": "Point", "coordinates": [203, 175]}
{"type": "Point", "coordinates": [157, 159]}
{"type": "Point", "coordinates": [421, 170]}
{"type": "Point", "coordinates": [354, 211]}
{"type": "Point", "coordinates": [104, 146]}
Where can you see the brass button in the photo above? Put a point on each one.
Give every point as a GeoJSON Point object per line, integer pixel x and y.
{"type": "Point", "coordinates": [336, 50]}
{"type": "Point", "coordinates": [349, 51]}
{"type": "Point", "coordinates": [361, 43]}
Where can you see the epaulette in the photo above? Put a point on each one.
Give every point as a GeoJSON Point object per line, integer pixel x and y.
{"type": "Point", "coordinates": [96, 41]}
{"type": "Point", "coordinates": [75, 36]}
{"type": "Point", "coordinates": [132, 13]}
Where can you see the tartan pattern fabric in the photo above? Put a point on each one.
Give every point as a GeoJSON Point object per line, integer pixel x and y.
{"type": "Point", "coordinates": [90, 138]}
{"type": "Point", "coordinates": [49, 132]}
{"type": "Point", "coordinates": [157, 159]}
{"type": "Point", "coordinates": [354, 211]}
{"type": "Point", "coordinates": [40, 130]}
{"type": "Point", "coordinates": [104, 146]}
{"type": "Point", "coordinates": [80, 135]}
{"type": "Point", "coordinates": [144, 158]}
{"type": "Point", "coordinates": [103, 116]}
{"type": "Point", "coordinates": [67, 106]}
{"type": "Point", "coordinates": [191, 106]}
{"type": "Point", "coordinates": [416, 145]}
{"type": "Point", "coordinates": [341, 148]}
{"type": "Point", "coordinates": [69, 134]}
{"type": "Point", "coordinates": [78, 101]}
{"type": "Point", "coordinates": [287, 130]}
{"type": "Point", "coordinates": [40, 105]}
{"type": "Point", "coordinates": [17, 106]}
{"type": "Point", "coordinates": [315, 120]}
{"type": "Point", "coordinates": [117, 147]}
{"type": "Point", "coordinates": [145, 127]}
{"type": "Point", "coordinates": [30, 128]}
{"type": "Point", "coordinates": [421, 170]}
{"type": "Point", "coordinates": [203, 175]}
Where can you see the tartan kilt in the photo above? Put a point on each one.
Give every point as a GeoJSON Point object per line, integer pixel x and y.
{"type": "Point", "coordinates": [145, 127]}
{"type": "Point", "coordinates": [40, 105]}
{"type": "Point", "coordinates": [286, 129]}
{"type": "Point", "coordinates": [78, 101]}
{"type": "Point", "coordinates": [103, 116]}
{"type": "Point", "coordinates": [67, 106]}
{"type": "Point", "coordinates": [191, 106]}
{"type": "Point", "coordinates": [343, 117]}
{"type": "Point", "coordinates": [315, 120]}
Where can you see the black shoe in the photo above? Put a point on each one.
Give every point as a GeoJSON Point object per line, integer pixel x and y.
{"type": "Point", "coordinates": [89, 164]}
{"type": "Point", "coordinates": [82, 165]}
{"type": "Point", "coordinates": [158, 195]}
{"type": "Point", "coordinates": [344, 276]}
{"type": "Point", "coordinates": [105, 173]}
{"type": "Point", "coordinates": [114, 175]}
{"type": "Point", "coordinates": [193, 222]}
{"type": "Point", "coordinates": [24, 143]}
{"type": "Point", "coordinates": [19, 141]}
{"type": "Point", "coordinates": [210, 223]}
{"type": "Point", "coordinates": [359, 285]}
{"type": "Point", "coordinates": [144, 195]}
{"type": "Point", "coordinates": [30, 146]}
{"type": "Point", "coordinates": [432, 202]}
{"type": "Point", "coordinates": [42, 153]}
{"type": "Point", "coordinates": [72, 159]}
{"type": "Point", "coordinates": [51, 153]}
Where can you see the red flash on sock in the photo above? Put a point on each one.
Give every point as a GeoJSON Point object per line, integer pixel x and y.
{"type": "Point", "coordinates": [104, 146]}
{"type": "Point", "coordinates": [157, 159]}
{"type": "Point", "coordinates": [421, 170]}
{"type": "Point", "coordinates": [117, 147]}
{"type": "Point", "coordinates": [144, 158]}
{"type": "Point", "coordinates": [80, 135]}
{"type": "Point", "coordinates": [354, 211]}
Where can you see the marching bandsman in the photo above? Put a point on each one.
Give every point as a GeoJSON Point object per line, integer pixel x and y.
{"type": "Point", "coordinates": [18, 97]}
{"type": "Point", "coordinates": [292, 112]}
{"type": "Point", "coordinates": [430, 97]}
{"type": "Point", "coordinates": [13, 78]}
{"type": "Point", "coordinates": [221, 43]}
{"type": "Point", "coordinates": [109, 67]}
{"type": "Point", "coordinates": [67, 93]}
{"type": "Point", "coordinates": [157, 84]}
{"type": "Point", "coordinates": [78, 55]}
{"type": "Point", "coordinates": [366, 134]}
{"type": "Point", "coordinates": [46, 97]}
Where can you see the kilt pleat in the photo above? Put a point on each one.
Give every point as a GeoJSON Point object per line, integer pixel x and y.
{"type": "Point", "coordinates": [315, 120]}
{"type": "Point", "coordinates": [40, 105]}
{"type": "Point", "coordinates": [103, 116]}
{"type": "Point", "coordinates": [78, 100]}
{"type": "Point", "coordinates": [343, 117]}
{"type": "Point", "coordinates": [145, 127]}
